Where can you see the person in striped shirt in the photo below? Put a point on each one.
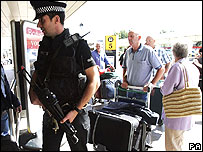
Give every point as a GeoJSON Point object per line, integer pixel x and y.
{"type": "Point", "coordinates": [161, 53]}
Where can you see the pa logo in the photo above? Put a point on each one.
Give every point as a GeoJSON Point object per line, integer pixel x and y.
{"type": "Point", "coordinates": [196, 146]}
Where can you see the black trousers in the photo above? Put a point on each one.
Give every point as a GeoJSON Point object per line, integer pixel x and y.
{"type": "Point", "coordinates": [52, 141]}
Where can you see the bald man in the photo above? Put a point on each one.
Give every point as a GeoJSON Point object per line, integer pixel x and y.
{"type": "Point", "coordinates": [161, 53]}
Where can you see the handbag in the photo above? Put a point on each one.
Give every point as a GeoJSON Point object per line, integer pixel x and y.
{"type": "Point", "coordinates": [183, 102]}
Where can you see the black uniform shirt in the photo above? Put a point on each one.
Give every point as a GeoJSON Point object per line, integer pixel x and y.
{"type": "Point", "coordinates": [48, 46]}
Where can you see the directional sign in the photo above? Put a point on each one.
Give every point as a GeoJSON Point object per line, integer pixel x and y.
{"type": "Point", "coordinates": [110, 42]}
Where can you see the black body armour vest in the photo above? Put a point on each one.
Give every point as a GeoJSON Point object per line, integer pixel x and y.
{"type": "Point", "coordinates": [66, 79]}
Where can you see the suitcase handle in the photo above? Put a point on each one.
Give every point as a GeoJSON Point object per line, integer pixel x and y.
{"type": "Point", "coordinates": [130, 90]}
{"type": "Point", "coordinates": [137, 88]}
{"type": "Point", "coordinates": [134, 87]}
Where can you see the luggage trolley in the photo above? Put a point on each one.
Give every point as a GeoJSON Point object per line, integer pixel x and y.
{"type": "Point", "coordinates": [121, 95]}
{"type": "Point", "coordinates": [154, 101]}
{"type": "Point", "coordinates": [120, 131]}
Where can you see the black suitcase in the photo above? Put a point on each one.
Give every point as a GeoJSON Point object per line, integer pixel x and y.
{"type": "Point", "coordinates": [156, 103]}
{"type": "Point", "coordinates": [117, 132]}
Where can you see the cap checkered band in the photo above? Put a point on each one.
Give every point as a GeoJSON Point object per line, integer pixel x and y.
{"type": "Point", "coordinates": [49, 9]}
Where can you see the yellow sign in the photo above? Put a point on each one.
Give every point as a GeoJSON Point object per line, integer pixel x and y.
{"type": "Point", "coordinates": [110, 42]}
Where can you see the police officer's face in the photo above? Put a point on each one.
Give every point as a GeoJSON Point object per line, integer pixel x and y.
{"type": "Point", "coordinates": [47, 26]}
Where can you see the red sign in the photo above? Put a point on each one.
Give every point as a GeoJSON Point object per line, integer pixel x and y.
{"type": "Point", "coordinates": [34, 36]}
{"type": "Point", "coordinates": [33, 43]}
{"type": "Point", "coordinates": [31, 31]}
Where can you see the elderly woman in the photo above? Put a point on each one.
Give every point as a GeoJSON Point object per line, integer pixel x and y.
{"type": "Point", "coordinates": [175, 127]}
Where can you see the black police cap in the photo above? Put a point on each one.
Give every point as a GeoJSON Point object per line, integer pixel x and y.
{"type": "Point", "coordinates": [43, 7]}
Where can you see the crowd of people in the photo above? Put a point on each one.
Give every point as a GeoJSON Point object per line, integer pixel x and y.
{"type": "Point", "coordinates": [143, 65]}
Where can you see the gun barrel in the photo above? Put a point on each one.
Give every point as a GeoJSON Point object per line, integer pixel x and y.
{"type": "Point", "coordinates": [85, 34]}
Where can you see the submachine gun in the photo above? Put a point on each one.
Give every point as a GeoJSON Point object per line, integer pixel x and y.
{"type": "Point", "coordinates": [51, 104]}
{"type": "Point", "coordinates": [48, 98]}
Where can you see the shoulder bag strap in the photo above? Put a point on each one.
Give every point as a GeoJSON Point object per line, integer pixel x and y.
{"type": "Point", "coordinates": [184, 75]}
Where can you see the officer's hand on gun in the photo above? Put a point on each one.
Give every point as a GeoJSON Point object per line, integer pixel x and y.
{"type": "Point", "coordinates": [70, 116]}
{"type": "Point", "coordinates": [45, 98]}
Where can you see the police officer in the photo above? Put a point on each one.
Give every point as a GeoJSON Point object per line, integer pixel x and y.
{"type": "Point", "coordinates": [63, 69]}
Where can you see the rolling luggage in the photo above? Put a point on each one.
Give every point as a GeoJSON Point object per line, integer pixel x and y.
{"type": "Point", "coordinates": [123, 124]}
{"type": "Point", "coordinates": [156, 103]}
{"type": "Point", "coordinates": [118, 132]}
{"type": "Point", "coordinates": [107, 87]}
{"type": "Point", "coordinates": [122, 95]}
